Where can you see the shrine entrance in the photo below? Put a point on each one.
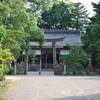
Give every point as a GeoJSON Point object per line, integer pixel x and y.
{"type": "Point", "coordinates": [47, 58]}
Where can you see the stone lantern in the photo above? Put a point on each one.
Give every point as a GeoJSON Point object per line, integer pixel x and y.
{"type": "Point", "coordinates": [89, 67]}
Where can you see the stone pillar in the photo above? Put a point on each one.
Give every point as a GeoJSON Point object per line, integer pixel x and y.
{"type": "Point", "coordinates": [25, 63]}
{"type": "Point", "coordinates": [54, 53]}
{"type": "Point", "coordinates": [89, 67]}
{"type": "Point", "coordinates": [54, 56]}
{"type": "Point", "coordinates": [90, 60]}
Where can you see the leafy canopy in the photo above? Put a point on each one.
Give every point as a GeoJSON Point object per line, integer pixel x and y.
{"type": "Point", "coordinates": [92, 37]}
{"type": "Point", "coordinates": [76, 57]}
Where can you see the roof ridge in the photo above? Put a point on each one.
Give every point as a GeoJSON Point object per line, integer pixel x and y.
{"type": "Point", "coordinates": [60, 31]}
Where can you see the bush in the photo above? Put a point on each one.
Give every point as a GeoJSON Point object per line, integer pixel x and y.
{"type": "Point", "coordinates": [1, 75]}
{"type": "Point", "coordinates": [5, 69]}
{"type": "Point", "coordinates": [77, 57]}
{"type": "Point", "coordinates": [10, 71]}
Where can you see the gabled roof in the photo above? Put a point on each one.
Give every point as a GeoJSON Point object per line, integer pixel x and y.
{"type": "Point", "coordinates": [71, 37]}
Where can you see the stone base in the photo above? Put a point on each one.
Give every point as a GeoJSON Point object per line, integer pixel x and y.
{"type": "Point", "coordinates": [20, 68]}
{"type": "Point", "coordinates": [89, 68]}
{"type": "Point", "coordinates": [57, 70]}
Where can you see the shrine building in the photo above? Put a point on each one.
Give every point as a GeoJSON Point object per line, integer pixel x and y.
{"type": "Point", "coordinates": [55, 46]}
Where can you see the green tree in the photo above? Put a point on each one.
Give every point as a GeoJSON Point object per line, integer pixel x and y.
{"type": "Point", "coordinates": [21, 26]}
{"type": "Point", "coordinates": [92, 36]}
{"type": "Point", "coordinates": [2, 35]}
{"type": "Point", "coordinates": [4, 12]}
{"type": "Point", "coordinates": [37, 6]}
{"type": "Point", "coordinates": [5, 57]}
{"type": "Point", "coordinates": [58, 17]}
{"type": "Point", "coordinates": [64, 15]}
{"type": "Point", "coordinates": [80, 16]}
{"type": "Point", "coordinates": [77, 57]}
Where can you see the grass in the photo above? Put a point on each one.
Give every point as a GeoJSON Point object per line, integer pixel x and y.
{"type": "Point", "coordinates": [3, 88]}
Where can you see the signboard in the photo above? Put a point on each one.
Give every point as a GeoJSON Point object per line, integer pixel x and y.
{"type": "Point", "coordinates": [64, 52]}
{"type": "Point", "coordinates": [38, 52]}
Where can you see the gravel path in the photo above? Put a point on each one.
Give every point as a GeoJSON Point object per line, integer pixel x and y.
{"type": "Point", "coordinates": [50, 87]}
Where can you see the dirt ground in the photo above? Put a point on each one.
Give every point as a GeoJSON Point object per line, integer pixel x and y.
{"type": "Point", "coordinates": [50, 87]}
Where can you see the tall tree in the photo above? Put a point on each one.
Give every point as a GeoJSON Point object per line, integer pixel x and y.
{"type": "Point", "coordinates": [58, 17]}
{"type": "Point", "coordinates": [39, 5]}
{"type": "Point", "coordinates": [80, 16]}
{"type": "Point", "coordinates": [21, 26]}
{"type": "Point", "coordinates": [92, 36]}
{"type": "Point", "coordinates": [65, 16]}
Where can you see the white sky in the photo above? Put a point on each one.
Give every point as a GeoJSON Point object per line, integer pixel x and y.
{"type": "Point", "coordinates": [87, 4]}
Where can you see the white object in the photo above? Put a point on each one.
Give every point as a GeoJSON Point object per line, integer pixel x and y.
{"type": "Point", "coordinates": [38, 52]}
{"type": "Point", "coordinates": [64, 52]}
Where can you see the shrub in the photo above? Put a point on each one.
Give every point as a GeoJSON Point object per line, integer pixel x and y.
{"type": "Point", "coordinates": [5, 57]}
{"type": "Point", "coordinates": [77, 57]}
{"type": "Point", "coordinates": [1, 75]}
{"type": "Point", "coordinates": [5, 69]}
{"type": "Point", "coordinates": [10, 71]}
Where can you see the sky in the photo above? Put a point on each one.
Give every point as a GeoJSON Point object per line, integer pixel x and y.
{"type": "Point", "coordinates": [87, 4]}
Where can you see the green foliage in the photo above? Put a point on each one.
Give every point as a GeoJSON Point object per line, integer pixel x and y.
{"type": "Point", "coordinates": [1, 74]}
{"type": "Point", "coordinates": [64, 15]}
{"type": "Point", "coordinates": [14, 4]}
{"type": "Point", "coordinates": [3, 86]}
{"type": "Point", "coordinates": [20, 20]}
{"type": "Point", "coordinates": [21, 26]}
{"type": "Point", "coordinates": [76, 57]}
{"type": "Point", "coordinates": [38, 35]}
{"type": "Point", "coordinates": [58, 17]}
{"type": "Point", "coordinates": [40, 5]}
{"type": "Point", "coordinates": [5, 69]}
{"type": "Point", "coordinates": [26, 47]}
{"type": "Point", "coordinates": [79, 16]}
{"type": "Point", "coordinates": [2, 35]}
{"type": "Point", "coordinates": [14, 40]}
{"type": "Point", "coordinates": [31, 53]}
{"type": "Point", "coordinates": [4, 12]}
{"type": "Point", "coordinates": [10, 71]}
{"type": "Point", "coordinates": [92, 36]}
{"type": "Point", "coordinates": [6, 56]}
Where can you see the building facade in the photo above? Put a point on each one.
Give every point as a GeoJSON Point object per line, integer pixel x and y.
{"type": "Point", "coordinates": [54, 47]}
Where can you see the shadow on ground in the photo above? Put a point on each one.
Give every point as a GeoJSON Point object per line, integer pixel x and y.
{"type": "Point", "coordinates": [87, 97]}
